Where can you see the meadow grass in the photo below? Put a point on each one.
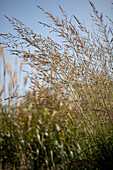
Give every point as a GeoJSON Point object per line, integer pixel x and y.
{"type": "Point", "coordinates": [66, 120]}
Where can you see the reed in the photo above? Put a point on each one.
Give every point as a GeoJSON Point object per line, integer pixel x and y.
{"type": "Point", "coordinates": [66, 120]}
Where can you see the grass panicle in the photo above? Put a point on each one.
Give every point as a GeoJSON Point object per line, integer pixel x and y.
{"type": "Point", "coordinates": [66, 120]}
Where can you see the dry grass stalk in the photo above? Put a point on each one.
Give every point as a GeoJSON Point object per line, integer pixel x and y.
{"type": "Point", "coordinates": [3, 54]}
{"type": "Point", "coordinates": [81, 65]}
{"type": "Point", "coordinates": [21, 66]}
{"type": "Point", "coordinates": [13, 78]}
{"type": "Point", "coordinates": [25, 80]}
{"type": "Point", "coordinates": [21, 100]}
{"type": "Point", "coordinates": [73, 81]}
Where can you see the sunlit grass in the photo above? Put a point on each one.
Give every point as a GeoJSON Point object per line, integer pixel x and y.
{"type": "Point", "coordinates": [66, 120]}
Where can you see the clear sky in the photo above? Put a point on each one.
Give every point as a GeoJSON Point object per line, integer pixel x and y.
{"type": "Point", "coordinates": [27, 12]}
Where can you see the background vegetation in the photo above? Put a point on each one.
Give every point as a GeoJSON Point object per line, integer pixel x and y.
{"type": "Point", "coordinates": [66, 120]}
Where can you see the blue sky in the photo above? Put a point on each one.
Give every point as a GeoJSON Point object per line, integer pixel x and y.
{"type": "Point", "coordinates": [27, 12]}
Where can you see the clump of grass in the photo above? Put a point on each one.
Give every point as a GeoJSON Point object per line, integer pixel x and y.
{"type": "Point", "coordinates": [67, 122]}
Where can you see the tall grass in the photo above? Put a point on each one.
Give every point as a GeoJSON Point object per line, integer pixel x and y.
{"type": "Point", "coordinates": [66, 121]}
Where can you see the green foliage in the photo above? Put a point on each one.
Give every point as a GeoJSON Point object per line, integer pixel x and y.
{"type": "Point", "coordinates": [42, 142]}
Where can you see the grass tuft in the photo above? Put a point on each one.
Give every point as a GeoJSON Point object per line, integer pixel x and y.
{"type": "Point", "coordinates": [66, 120]}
